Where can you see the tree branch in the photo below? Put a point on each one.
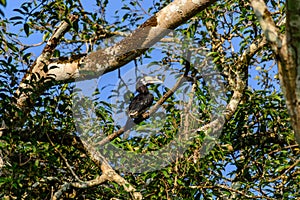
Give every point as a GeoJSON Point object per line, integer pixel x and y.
{"type": "Point", "coordinates": [267, 24]}
{"type": "Point", "coordinates": [285, 48]}
{"type": "Point", "coordinates": [291, 70]}
{"type": "Point", "coordinates": [37, 70]}
{"type": "Point", "coordinates": [108, 174]}
{"type": "Point", "coordinates": [134, 45]}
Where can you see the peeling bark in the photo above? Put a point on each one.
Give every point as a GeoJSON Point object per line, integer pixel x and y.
{"type": "Point", "coordinates": [291, 70]}
{"type": "Point", "coordinates": [33, 82]}
{"type": "Point", "coordinates": [286, 49]}
{"type": "Point", "coordinates": [135, 44]}
{"type": "Point", "coordinates": [145, 36]}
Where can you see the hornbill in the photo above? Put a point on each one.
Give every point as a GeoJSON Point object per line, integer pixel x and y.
{"type": "Point", "coordinates": [144, 99]}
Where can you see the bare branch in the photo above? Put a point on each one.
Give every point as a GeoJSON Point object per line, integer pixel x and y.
{"type": "Point", "coordinates": [152, 31]}
{"type": "Point", "coordinates": [267, 24]}
{"type": "Point", "coordinates": [285, 171]}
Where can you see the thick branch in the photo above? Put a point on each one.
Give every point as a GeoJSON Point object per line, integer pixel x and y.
{"type": "Point", "coordinates": [145, 36]}
{"type": "Point", "coordinates": [291, 70]}
{"type": "Point", "coordinates": [267, 24]}
{"type": "Point", "coordinates": [111, 58]}
{"type": "Point", "coordinates": [38, 71]}
{"type": "Point", "coordinates": [285, 49]}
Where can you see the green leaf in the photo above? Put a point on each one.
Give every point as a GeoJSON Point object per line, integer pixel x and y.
{"type": "Point", "coordinates": [16, 18]}
{"type": "Point", "coordinates": [46, 36]}
{"type": "Point", "coordinates": [166, 174]}
{"type": "Point", "coordinates": [75, 26]}
{"type": "Point", "coordinates": [26, 29]}
{"type": "Point", "coordinates": [180, 182]}
{"type": "Point", "coordinates": [3, 2]}
{"type": "Point", "coordinates": [280, 168]}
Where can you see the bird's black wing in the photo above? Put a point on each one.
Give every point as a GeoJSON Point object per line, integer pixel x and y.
{"type": "Point", "coordinates": [139, 104]}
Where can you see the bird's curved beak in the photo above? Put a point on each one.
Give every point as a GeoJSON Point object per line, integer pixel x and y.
{"type": "Point", "coordinates": [147, 80]}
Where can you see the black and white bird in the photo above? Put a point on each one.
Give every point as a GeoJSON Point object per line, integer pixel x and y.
{"type": "Point", "coordinates": [141, 102]}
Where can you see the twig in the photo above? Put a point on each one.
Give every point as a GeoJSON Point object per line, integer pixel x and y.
{"type": "Point", "coordinates": [65, 160]}
{"type": "Point", "coordinates": [230, 189]}
{"type": "Point", "coordinates": [286, 171]}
